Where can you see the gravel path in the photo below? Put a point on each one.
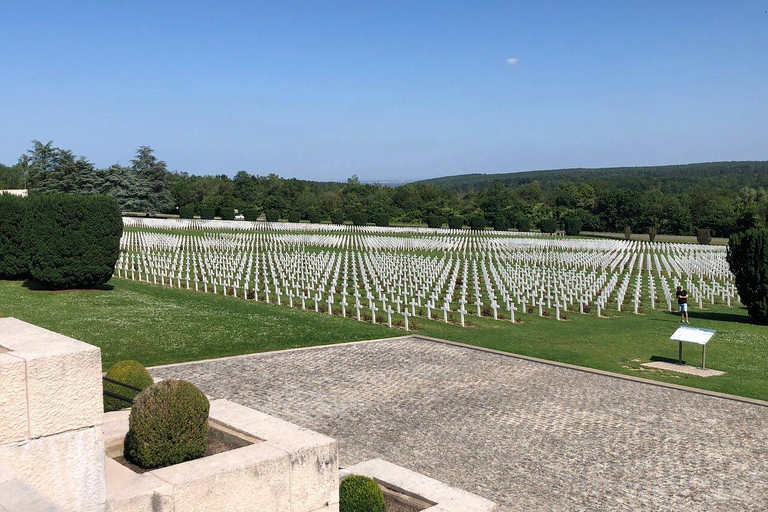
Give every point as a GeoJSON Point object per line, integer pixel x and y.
{"type": "Point", "coordinates": [527, 435]}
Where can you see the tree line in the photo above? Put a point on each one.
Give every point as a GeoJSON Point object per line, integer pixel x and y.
{"type": "Point", "coordinates": [606, 203]}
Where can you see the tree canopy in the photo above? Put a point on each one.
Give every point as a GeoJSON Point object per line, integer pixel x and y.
{"type": "Point", "coordinates": [724, 197]}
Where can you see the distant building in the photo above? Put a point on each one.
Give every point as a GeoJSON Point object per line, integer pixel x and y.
{"type": "Point", "coordinates": [15, 192]}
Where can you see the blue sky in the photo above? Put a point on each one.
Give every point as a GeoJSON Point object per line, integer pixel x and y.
{"type": "Point", "coordinates": [387, 90]}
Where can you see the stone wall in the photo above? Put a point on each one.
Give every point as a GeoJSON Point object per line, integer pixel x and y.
{"type": "Point", "coordinates": [50, 416]}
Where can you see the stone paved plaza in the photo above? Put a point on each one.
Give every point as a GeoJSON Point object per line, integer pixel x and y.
{"type": "Point", "coordinates": [527, 435]}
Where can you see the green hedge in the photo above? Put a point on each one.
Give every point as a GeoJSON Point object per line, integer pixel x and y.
{"type": "Point", "coordinates": [381, 219]}
{"type": "Point", "coordinates": [227, 213]}
{"type": "Point", "coordinates": [14, 263]}
{"type": "Point", "coordinates": [455, 222]}
{"type": "Point", "coordinates": [435, 221]}
{"type": "Point", "coordinates": [748, 260]}
{"type": "Point", "coordinates": [360, 494]}
{"type": "Point", "coordinates": [548, 225]}
{"type": "Point", "coordinates": [573, 225]}
{"type": "Point", "coordinates": [128, 372]}
{"type": "Point", "coordinates": [272, 215]}
{"type": "Point", "coordinates": [294, 216]}
{"type": "Point", "coordinates": [477, 222]}
{"type": "Point", "coordinates": [359, 219]}
{"type": "Point", "coordinates": [73, 241]}
{"type": "Point", "coordinates": [168, 425]}
{"type": "Point", "coordinates": [522, 223]}
{"type": "Point", "coordinates": [501, 223]}
{"type": "Point", "coordinates": [337, 217]}
{"type": "Point", "coordinates": [187, 211]}
{"type": "Point", "coordinates": [251, 214]}
{"type": "Point", "coordinates": [207, 212]}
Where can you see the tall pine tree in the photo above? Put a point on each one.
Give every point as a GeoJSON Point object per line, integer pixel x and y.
{"type": "Point", "coordinates": [154, 173]}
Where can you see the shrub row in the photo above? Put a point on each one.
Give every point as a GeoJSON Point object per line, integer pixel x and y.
{"type": "Point", "coordinates": [60, 240]}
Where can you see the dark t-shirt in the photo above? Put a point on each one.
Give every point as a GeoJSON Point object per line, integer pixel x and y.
{"type": "Point", "coordinates": [681, 297]}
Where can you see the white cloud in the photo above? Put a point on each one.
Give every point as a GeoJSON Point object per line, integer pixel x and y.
{"type": "Point", "coordinates": [513, 61]}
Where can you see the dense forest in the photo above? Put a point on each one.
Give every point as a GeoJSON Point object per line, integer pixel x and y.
{"type": "Point", "coordinates": [724, 197]}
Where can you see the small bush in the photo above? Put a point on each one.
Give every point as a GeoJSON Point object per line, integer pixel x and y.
{"type": "Point", "coordinates": [360, 494]}
{"type": "Point", "coordinates": [187, 211]}
{"type": "Point", "coordinates": [359, 219]}
{"type": "Point", "coordinates": [501, 223]}
{"type": "Point", "coordinates": [573, 225]}
{"type": "Point", "coordinates": [272, 215]}
{"type": "Point", "coordinates": [435, 221]}
{"type": "Point", "coordinates": [703, 236]}
{"type": "Point", "coordinates": [337, 217]}
{"type": "Point", "coordinates": [382, 219]}
{"type": "Point", "coordinates": [522, 223]}
{"type": "Point", "coordinates": [207, 212]}
{"type": "Point", "coordinates": [227, 213]}
{"type": "Point", "coordinates": [168, 425]}
{"type": "Point", "coordinates": [14, 263]}
{"type": "Point", "coordinates": [548, 225]}
{"type": "Point", "coordinates": [127, 372]}
{"type": "Point", "coordinates": [314, 216]}
{"type": "Point", "coordinates": [652, 234]}
{"type": "Point", "coordinates": [73, 241]}
{"type": "Point", "coordinates": [455, 222]}
{"type": "Point", "coordinates": [294, 216]}
{"type": "Point", "coordinates": [251, 214]}
{"type": "Point", "coordinates": [477, 222]}
{"type": "Point", "coordinates": [627, 232]}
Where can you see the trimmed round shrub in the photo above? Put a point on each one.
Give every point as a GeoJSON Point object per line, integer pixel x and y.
{"type": "Point", "coordinates": [187, 211]}
{"type": "Point", "coordinates": [360, 494]}
{"type": "Point", "coordinates": [455, 222]}
{"type": "Point", "coordinates": [435, 221]}
{"type": "Point", "coordinates": [168, 425]}
{"type": "Point", "coordinates": [704, 236]}
{"type": "Point", "coordinates": [294, 216]}
{"type": "Point", "coordinates": [477, 222]}
{"type": "Point", "coordinates": [359, 219]}
{"type": "Point", "coordinates": [73, 241]}
{"type": "Point", "coordinates": [272, 215]}
{"type": "Point", "coordinates": [381, 219]}
{"type": "Point", "coordinates": [14, 263]}
{"type": "Point", "coordinates": [522, 223]}
{"type": "Point", "coordinates": [227, 213]}
{"type": "Point", "coordinates": [314, 216]}
{"type": "Point", "coordinates": [548, 225]}
{"type": "Point", "coordinates": [501, 223]}
{"type": "Point", "coordinates": [251, 214]}
{"type": "Point", "coordinates": [573, 225]}
{"type": "Point", "coordinates": [337, 217]}
{"type": "Point", "coordinates": [207, 212]}
{"type": "Point", "coordinates": [128, 372]}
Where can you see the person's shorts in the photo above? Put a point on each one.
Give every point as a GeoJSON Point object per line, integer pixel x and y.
{"type": "Point", "coordinates": [682, 308]}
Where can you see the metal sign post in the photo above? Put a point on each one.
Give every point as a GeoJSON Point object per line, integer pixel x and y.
{"type": "Point", "coordinates": [693, 335]}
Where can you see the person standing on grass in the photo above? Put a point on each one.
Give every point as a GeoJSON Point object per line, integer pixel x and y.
{"type": "Point", "coordinates": [682, 304]}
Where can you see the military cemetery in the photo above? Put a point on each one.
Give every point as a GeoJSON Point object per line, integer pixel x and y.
{"type": "Point", "coordinates": [383, 256]}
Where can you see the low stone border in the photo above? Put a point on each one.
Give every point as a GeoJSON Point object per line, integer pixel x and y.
{"type": "Point", "coordinates": [445, 497]}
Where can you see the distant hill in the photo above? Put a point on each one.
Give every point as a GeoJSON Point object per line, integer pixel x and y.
{"type": "Point", "coordinates": [668, 178]}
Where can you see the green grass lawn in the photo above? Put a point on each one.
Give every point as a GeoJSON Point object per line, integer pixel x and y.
{"type": "Point", "coordinates": [157, 325]}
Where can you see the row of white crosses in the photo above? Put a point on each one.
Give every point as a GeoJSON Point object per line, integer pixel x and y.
{"type": "Point", "coordinates": [239, 225]}
{"type": "Point", "coordinates": [437, 277]}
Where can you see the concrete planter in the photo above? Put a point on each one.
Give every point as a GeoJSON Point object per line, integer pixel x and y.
{"type": "Point", "coordinates": [442, 497]}
{"type": "Point", "coordinates": [286, 469]}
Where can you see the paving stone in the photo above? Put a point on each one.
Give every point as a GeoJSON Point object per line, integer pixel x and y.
{"type": "Point", "coordinates": [526, 435]}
